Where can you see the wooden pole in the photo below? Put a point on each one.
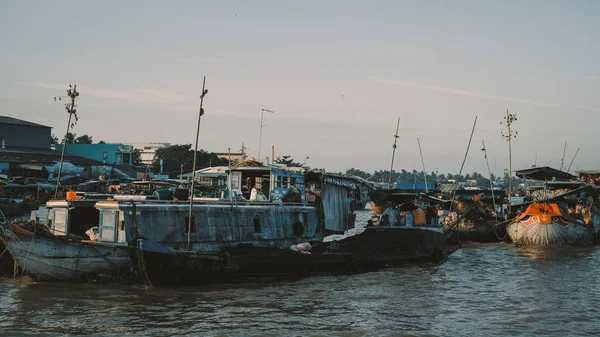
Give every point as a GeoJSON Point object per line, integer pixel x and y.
{"type": "Point", "coordinates": [190, 215]}
{"type": "Point", "coordinates": [509, 119]}
{"type": "Point", "coordinates": [463, 164]}
{"type": "Point", "coordinates": [393, 154]}
{"type": "Point", "coordinates": [572, 160]}
{"type": "Point", "coordinates": [71, 110]}
{"type": "Point", "coordinates": [491, 184]}
{"type": "Point", "coordinates": [562, 161]}
{"type": "Point", "coordinates": [423, 164]}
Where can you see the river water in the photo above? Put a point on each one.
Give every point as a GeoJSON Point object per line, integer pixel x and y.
{"type": "Point", "coordinates": [483, 290]}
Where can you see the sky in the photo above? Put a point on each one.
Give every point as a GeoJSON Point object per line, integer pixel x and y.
{"type": "Point", "coordinates": [337, 74]}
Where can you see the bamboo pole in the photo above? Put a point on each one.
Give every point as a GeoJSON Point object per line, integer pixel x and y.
{"type": "Point", "coordinates": [190, 215]}
{"type": "Point", "coordinates": [393, 153]}
{"type": "Point", "coordinates": [463, 164]}
{"type": "Point", "coordinates": [423, 164]}
{"type": "Point", "coordinates": [572, 160]}
{"type": "Point", "coordinates": [491, 184]}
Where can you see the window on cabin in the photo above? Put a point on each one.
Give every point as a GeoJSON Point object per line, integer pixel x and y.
{"type": "Point", "coordinates": [278, 181]}
{"type": "Point", "coordinates": [108, 226]}
{"type": "Point", "coordinates": [192, 225]}
{"type": "Point", "coordinates": [60, 221]}
{"type": "Point", "coordinates": [292, 182]}
{"type": "Point", "coordinates": [256, 222]}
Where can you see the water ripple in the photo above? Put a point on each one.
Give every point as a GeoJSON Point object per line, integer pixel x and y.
{"type": "Point", "coordinates": [483, 290]}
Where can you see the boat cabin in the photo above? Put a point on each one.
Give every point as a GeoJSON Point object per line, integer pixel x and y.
{"type": "Point", "coordinates": [272, 182]}
{"type": "Point", "coordinates": [78, 217]}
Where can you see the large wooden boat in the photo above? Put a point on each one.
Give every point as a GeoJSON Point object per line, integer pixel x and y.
{"type": "Point", "coordinates": [561, 212]}
{"type": "Point", "coordinates": [233, 240]}
{"type": "Point", "coordinates": [546, 224]}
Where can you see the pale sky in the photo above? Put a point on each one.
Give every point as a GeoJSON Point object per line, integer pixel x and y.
{"type": "Point", "coordinates": [337, 74]}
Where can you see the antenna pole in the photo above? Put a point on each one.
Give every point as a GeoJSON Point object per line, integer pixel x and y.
{"type": "Point", "coordinates": [393, 154]}
{"type": "Point", "coordinates": [190, 215]}
{"type": "Point", "coordinates": [262, 112]}
{"type": "Point", "coordinates": [72, 111]}
{"type": "Point", "coordinates": [423, 164]}
{"type": "Point", "coordinates": [509, 119]}
{"type": "Point", "coordinates": [463, 164]}
{"type": "Point", "coordinates": [572, 160]}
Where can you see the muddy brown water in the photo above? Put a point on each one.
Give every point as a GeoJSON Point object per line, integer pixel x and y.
{"type": "Point", "coordinates": [483, 290]}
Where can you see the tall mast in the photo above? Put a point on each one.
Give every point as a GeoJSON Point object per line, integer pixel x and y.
{"type": "Point", "coordinates": [423, 164]}
{"type": "Point", "coordinates": [562, 161]}
{"type": "Point", "coordinates": [490, 175]}
{"type": "Point", "coordinates": [509, 119]}
{"type": "Point", "coordinates": [200, 113]}
{"type": "Point", "coordinates": [393, 154]}
{"type": "Point", "coordinates": [572, 160]}
{"type": "Point", "coordinates": [462, 165]}
{"type": "Point", "coordinates": [73, 94]}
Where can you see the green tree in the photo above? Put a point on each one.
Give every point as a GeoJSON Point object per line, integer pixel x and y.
{"type": "Point", "coordinates": [358, 173]}
{"type": "Point", "coordinates": [85, 139]}
{"type": "Point", "coordinates": [289, 162]}
{"type": "Point", "coordinates": [69, 138]}
{"type": "Point", "coordinates": [136, 157]}
{"type": "Point", "coordinates": [177, 155]}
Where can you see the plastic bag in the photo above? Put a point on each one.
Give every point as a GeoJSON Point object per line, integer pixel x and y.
{"type": "Point", "coordinates": [92, 233]}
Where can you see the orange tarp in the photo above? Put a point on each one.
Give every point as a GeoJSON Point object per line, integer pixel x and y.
{"type": "Point", "coordinates": [543, 211]}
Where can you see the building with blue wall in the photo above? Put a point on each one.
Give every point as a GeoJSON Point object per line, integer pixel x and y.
{"type": "Point", "coordinates": [113, 154]}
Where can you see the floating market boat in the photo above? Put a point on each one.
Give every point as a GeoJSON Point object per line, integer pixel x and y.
{"type": "Point", "coordinates": [411, 222]}
{"type": "Point", "coordinates": [235, 238]}
{"type": "Point", "coordinates": [562, 212]}
{"type": "Point", "coordinates": [59, 251]}
{"type": "Point", "coordinates": [481, 219]}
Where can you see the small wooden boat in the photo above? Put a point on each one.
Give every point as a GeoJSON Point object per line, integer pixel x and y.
{"type": "Point", "coordinates": [58, 250]}
{"type": "Point", "coordinates": [480, 220]}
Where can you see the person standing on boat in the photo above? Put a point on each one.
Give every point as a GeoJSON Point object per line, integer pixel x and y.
{"type": "Point", "coordinates": [257, 194]}
{"type": "Point", "coordinates": [389, 216]}
{"type": "Point", "coordinates": [254, 192]}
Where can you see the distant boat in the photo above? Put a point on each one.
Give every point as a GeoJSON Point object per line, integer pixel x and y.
{"type": "Point", "coordinates": [480, 221]}
{"type": "Point", "coordinates": [408, 223]}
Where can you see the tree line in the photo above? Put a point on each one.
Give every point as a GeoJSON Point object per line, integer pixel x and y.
{"type": "Point", "coordinates": [415, 176]}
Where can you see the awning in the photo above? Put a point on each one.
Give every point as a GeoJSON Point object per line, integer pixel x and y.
{"type": "Point", "coordinates": [544, 173]}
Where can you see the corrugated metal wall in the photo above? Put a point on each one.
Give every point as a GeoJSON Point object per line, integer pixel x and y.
{"type": "Point", "coordinates": [25, 136]}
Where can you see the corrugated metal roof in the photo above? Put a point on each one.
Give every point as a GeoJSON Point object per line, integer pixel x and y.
{"type": "Point", "coordinates": [15, 121]}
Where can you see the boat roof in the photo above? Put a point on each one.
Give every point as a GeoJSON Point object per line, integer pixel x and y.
{"type": "Point", "coordinates": [402, 196]}
{"type": "Point", "coordinates": [544, 173]}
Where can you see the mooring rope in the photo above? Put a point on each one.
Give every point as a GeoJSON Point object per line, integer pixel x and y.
{"type": "Point", "coordinates": [26, 258]}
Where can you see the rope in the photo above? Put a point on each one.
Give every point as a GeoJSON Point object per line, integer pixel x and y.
{"type": "Point", "coordinates": [140, 255]}
{"type": "Point", "coordinates": [4, 251]}
{"type": "Point", "coordinates": [26, 258]}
